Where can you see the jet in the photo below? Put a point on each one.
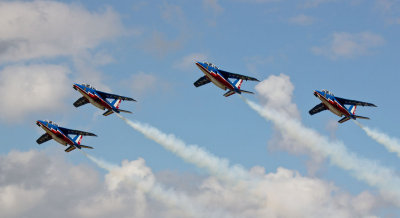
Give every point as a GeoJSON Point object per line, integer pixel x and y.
{"type": "Point", "coordinates": [99, 99]}
{"type": "Point", "coordinates": [61, 135]}
{"type": "Point", "coordinates": [337, 106]}
{"type": "Point", "coordinates": [221, 79]}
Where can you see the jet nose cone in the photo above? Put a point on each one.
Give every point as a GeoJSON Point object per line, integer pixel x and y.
{"type": "Point", "coordinates": [75, 86]}
{"type": "Point", "coordinates": [199, 64]}
{"type": "Point", "coordinates": [39, 122]}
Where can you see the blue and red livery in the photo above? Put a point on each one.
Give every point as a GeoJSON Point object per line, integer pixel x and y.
{"type": "Point", "coordinates": [221, 79]}
{"type": "Point", "coordinates": [99, 99]}
{"type": "Point", "coordinates": [337, 106]}
{"type": "Point", "coordinates": [61, 135]}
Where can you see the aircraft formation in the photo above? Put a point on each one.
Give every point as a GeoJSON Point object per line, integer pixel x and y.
{"type": "Point", "coordinates": [212, 73]}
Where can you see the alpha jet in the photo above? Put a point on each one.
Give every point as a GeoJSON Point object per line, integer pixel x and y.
{"type": "Point", "coordinates": [99, 99]}
{"type": "Point", "coordinates": [221, 79]}
{"type": "Point", "coordinates": [337, 106]}
{"type": "Point", "coordinates": [61, 135]}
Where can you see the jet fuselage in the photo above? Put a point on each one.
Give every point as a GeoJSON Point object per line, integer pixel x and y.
{"type": "Point", "coordinates": [216, 78]}
{"type": "Point", "coordinates": [332, 104]}
{"type": "Point", "coordinates": [55, 133]}
{"type": "Point", "coordinates": [93, 97]}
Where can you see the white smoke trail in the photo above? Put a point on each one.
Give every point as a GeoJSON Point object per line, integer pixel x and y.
{"type": "Point", "coordinates": [168, 197]}
{"type": "Point", "coordinates": [383, 178]}
{"type": "Point", "coordinates": [390, 143]}
{"type": "Point", "coordinates": [218, 167]}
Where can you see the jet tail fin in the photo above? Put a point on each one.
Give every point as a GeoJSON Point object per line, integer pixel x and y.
{"type": "Point", "coordinates": [352, 109]}
{"type": "Point", "coordinates": [78, 139]}
{"type": "Point", "coordinates": [238, 83]}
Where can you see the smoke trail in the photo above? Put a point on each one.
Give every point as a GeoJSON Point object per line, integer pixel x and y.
{"type": "Point", "coordinates": [219, 167]}
{"type": "Point", "coordinates": [390, 143]}
{"type": "Point", "coordinates": [383, 178]}
{"type": "Point", "coordinates": [167, 196]}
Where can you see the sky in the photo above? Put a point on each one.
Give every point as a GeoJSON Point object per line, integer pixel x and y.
{"type": "Point", "coordinates": [187, 151]}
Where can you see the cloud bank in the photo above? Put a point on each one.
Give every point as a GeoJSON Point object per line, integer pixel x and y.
{"type": "Point", "coordinates": [35, 184]}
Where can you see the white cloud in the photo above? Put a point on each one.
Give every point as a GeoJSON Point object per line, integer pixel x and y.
{"type": "Point", "coordinates": [302, 19]}
{"type": "Point", "coordinates": [32, 89]}
{"type": "Point", "coordinates": [43, 185]}
{"type": "Point", "coordinates": [347, 45]}
{"type": "Point", "coordinates": [188, 62]}
{"type": "Point", "coordinates": [47, 29]}
{"type": "Point", "coordinates": [277, 93]}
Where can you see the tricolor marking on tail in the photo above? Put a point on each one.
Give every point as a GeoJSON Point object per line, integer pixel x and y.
{"type": "Point", "coordinates": [116, 103]}
{"type": "Point", "coordinates": [238, 83]}
{"type": "Point", "coordinates": [78, 139]}
{"type": "Point", "coordinates": [352, 109]}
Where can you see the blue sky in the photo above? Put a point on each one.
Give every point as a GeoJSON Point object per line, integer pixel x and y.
{"type": "Point", "coordinates": [146, 50]}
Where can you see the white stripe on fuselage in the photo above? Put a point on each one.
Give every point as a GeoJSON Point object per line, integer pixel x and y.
{"type": "Point", "coordinates": [91, 100]}
{"type": "Point", "coordinates": [54, 136]}
{"type": "Point", "coordinates": [331, 107]}
{"type": "Point", "coordinates": [212, 78]}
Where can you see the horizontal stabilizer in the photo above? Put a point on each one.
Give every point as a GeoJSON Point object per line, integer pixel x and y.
{"type": "Point", "coordinates": [361, 117]}
{"type": "Point", "coordinates": [248, 92]}
{"type": "Point", "coordinates": [229, 93]}
{"type": "Point", "coordinates": [108, 113]}
{"type": "Point", "coordinates": [125, 111]}
{"type": "Point", "coordinates": [70, 148]}
{"type": "Point", "coordinates": [344, 120]}
{"type": "Point", "coordinates": [85, 146]}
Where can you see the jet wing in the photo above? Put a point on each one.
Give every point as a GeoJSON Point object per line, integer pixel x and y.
{"type": "Point", "coordinates": [44, 138]}
{"type": "Point", "coordinates": [76, 132]}
{"type": "Point", "coordinates": [237, 76]}
{"type": "Point", "coordinates": [354, 102]}
{"type": "Point", "coordinates": [113, 96]}
{"type": "Point", "coordinates": [202, 81]}
{"type": "Point", "coordinates": [81, 101]}
{"type": "Point", "coordinates": [318, 108]}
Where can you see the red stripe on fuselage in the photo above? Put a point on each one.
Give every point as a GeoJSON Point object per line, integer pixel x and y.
{"type": "Point", "coordinates": [96, 98]}
{"type": "Point", "coordinates": [217, 77]}
{"type": "Point", "coordinates": [60, 135]}
{"type": "Point", "coordinates": [336, 105]}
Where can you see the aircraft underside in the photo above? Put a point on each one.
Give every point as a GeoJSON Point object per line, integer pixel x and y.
{"type": "Point", "coordinates": [96, 102]}
{"type": "Point", "coordinates": [55, 136]}
{"type": "Point", "coordinates": [330, 107]}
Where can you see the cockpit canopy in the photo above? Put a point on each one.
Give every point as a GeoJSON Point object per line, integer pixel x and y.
{"type": "Point", "coordinates": [51, 122]}
{"type": "Point", "coordinates": [211, 65]}
{"type": "Point", "coordinates": [327, 92]}
{"type": "Point", "coordinates": [88, 85]}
